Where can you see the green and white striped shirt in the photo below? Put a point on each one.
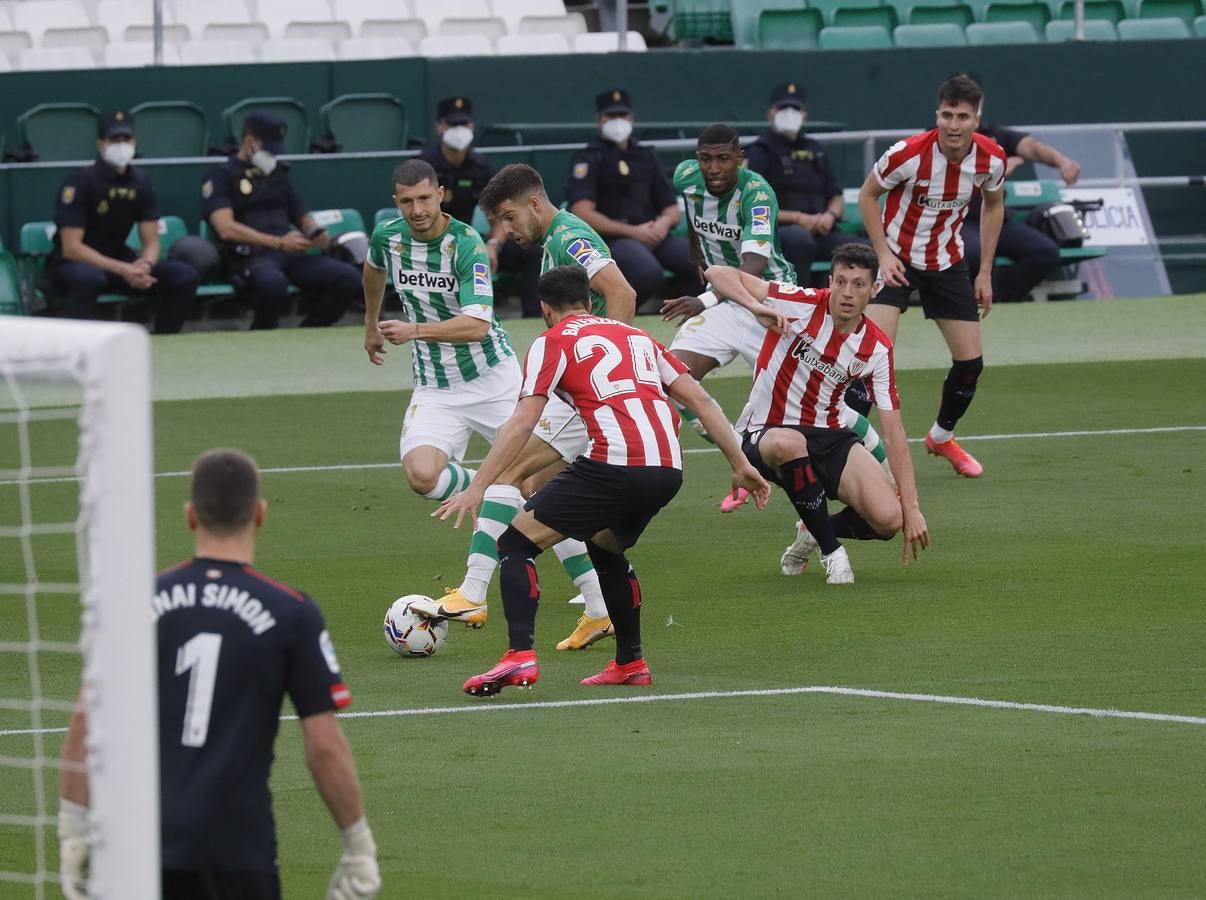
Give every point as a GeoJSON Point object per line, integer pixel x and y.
{"type": "Point", "coordinates": [447, 277]}
{"type": "Point", "coordinates": [741, 221]}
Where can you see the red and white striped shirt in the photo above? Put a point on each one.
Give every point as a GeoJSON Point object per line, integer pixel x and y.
{"type": "Point", "coordinates": [615, 375]}
{"type": "Point", "coordinates": [928, 196]}
{"type": "Point", "coordinates": [801, 375]}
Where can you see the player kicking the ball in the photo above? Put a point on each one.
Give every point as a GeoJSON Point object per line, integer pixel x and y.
{"type": "Point", "coordinates": [791, 424]}
{"type": "Point", "coordinates": [618, 379]}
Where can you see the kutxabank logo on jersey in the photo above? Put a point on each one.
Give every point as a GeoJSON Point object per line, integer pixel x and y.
{"type": "Point", "coordinates": [712, 228]}
{"type": "Point", "coordinates": [441, 282]}
{"type": "Point", "coordinates": [934, 203]}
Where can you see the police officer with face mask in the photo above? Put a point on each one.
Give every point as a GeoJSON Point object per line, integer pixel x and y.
{"type": "Point", "coordinates": [618, 188]}
{"type": "Point", "coordinates": [798, 168]}
{"type": "Point", "coordinates": [463, 173]}
{"type": "Point", "coordinates": [265, 232]}
{"type": "Point", "coordinates": [97, 207]}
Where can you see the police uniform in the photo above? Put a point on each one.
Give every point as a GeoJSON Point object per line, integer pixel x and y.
{"type": "Point", "coordinates": [463, 185]}
{"type": "Point", "coordinates": [107, 203]}
{"type": "Point", "coordinates": [627, 185]}
{"type": "Point", "coordinates": [1034, 254]}
{"type": "Point", "coordinates": [231, 644]}
{"type": "Point", "coordinates": [269, 204]}
{"type": "Point", "coordinates": [800, 172]}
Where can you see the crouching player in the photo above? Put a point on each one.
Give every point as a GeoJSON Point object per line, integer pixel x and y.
{"type": "Point", "coordinates": [791, 425]}
{"type": "Point", "coordinates": [618, 379]}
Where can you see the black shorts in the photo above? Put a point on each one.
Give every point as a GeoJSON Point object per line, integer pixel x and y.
{"type": "Point", "coordinates": [944, 295]}
{"type": "Point", "coordinates": [828, 449]}
{"type": "Point", "coordinates": [208, 884]}
{"type": "Point", "coordinates": [591, 496]}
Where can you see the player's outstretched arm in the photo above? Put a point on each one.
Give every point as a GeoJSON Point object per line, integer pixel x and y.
{"type": "Point", "coordinates": [688, 392]}
{"type": "Point", "coordinates": [746, 290]}
{"type": "Point", "coordinates": [373, 282]}
{"type": "Point", "coordinates": [329, 758]}
{"type": "Point", "coordinates": [506, 448]}
{"type": "Point", "coordinates": [916, 532]}
{"type": "Point", "coordinates": [891, 269]}
{"type": "Point", "coordinates": [457, 330]}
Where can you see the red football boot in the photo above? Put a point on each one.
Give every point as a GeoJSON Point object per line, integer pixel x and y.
{"type": "Point", "coordinates": [962, 461]}
{"type": "Point", "coordinates": [635, 673]}
{"type": "Point", "coordinates": [517, 668]}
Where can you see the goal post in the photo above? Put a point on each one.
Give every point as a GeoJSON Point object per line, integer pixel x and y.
{"type": "Point", "coordinates": [105, 368]}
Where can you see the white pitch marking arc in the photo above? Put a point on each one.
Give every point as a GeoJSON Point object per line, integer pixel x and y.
{"type": "Point", "coordinates": [353, 467]}
{"type": "Point", "coordinates": [941, 699]}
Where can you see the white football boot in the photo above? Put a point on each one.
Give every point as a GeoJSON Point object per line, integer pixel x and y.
{"type": "Point", "coordinates": [837, 567]}
{"type": "Point", "coordinates": [795, 558]}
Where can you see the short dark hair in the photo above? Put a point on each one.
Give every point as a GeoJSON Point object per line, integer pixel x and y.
{"type": "Point", "coordinates": [415, 171]}
{"type": "Point", "coordinates": [510, 183]}
{"type": "Point", "coordinates": [718, 134]}
{"type": "Point", "coordinates": [565, 287]}
{"type": "Point", "coordinates": [960, 89]}
{"type": "Point", "coordinates": [225, 488]}
{"type": "Point", "coordinates": [857, 256]}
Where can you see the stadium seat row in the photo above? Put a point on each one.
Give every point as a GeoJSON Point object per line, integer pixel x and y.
{"type": "Point", "coordinates": [246, 49]}
{"type": "Point", "coordinates": [782, 23]}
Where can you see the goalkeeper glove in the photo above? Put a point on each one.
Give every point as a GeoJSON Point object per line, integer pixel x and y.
{"type": "Point", "coordinates": [73, 849]}
{"type": "Point", "coordinates": [356, 877]}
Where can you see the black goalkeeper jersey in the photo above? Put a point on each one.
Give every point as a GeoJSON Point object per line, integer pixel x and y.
{"type": "Point", "coordinates": [232, 643]}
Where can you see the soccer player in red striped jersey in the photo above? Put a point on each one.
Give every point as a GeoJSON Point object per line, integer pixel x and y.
{"type": "Point", "coordinates": [930, 178]}
{"type": "Point", "coordinates": [792, 423]}
{"type": "Point", "coordinates": [621, 381]}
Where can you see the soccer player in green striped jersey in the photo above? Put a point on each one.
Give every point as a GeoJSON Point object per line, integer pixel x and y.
{"type": "Point", "coordinates": [732, 216]}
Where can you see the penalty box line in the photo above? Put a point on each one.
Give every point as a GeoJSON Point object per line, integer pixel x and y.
{"type": "Point", "coordinates": [353, 467]}
{"type": "Point", "coordinates": [941, 699]}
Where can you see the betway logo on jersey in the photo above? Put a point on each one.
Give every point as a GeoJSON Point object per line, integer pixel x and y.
{"type": "Point", "coordinates": [443, 282]}
{"type": "Point", "coordinates": [715, 229]}
{"type": "Point", "coordinates": [932, 203]}
{"type": "Point", "coordinates": [801, 352]}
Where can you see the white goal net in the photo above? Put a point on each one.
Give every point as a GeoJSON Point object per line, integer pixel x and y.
{"type": "Point", "coordinates": [76, 575]}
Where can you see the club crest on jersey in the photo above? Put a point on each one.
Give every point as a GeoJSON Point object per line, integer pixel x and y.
{"type": "Point", "coordinates": [980, 178]}
{"type": "Point", "coordinates": [481, 280]}
{"type": "Point", "coordinates": [583, 253]}
{"type": "Point", "coordinates": [856, 368]}
{"type": "Point", "coordinates": [760, 220]}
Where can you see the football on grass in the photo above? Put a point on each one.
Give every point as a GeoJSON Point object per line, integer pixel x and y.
{"type": "Point", "coordinates": [410, 634]}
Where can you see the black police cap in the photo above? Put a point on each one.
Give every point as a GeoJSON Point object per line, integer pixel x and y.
{"type": "Point", "coordinates": [115, 123]}
{"type": "Point", "coordinates": [455, 110]}
{"type": "Point", "coordinates": [790, 93]}
{"type": "Point", "coordinates": [614, 101]}
{"type": "Point", "coordinates": [268, 128]}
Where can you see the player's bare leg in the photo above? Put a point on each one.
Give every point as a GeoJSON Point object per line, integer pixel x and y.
{"type": "Point", "coordinates": [431, 474]}
{"type": "Point", "coordinates": [886, 316]}
{"type": "Point", "coordinates": [866, 490]}
{"type": "Point", "coordinates": [700, 365]}
{"type": "Point", "coordinates": [965, 342]}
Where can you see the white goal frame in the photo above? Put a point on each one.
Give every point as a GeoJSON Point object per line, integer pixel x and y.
{"type": "Point", "coordinates": [111, 364]}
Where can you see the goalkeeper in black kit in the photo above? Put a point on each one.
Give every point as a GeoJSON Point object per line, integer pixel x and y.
{"type": "Point", "coordinates": [231, 643]}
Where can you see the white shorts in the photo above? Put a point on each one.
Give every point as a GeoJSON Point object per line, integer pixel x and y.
{"type": "Point", "coordinates": [723, 332]}
{"type": "Point", "coordinates": [562, 428]}
{"type": "Point", "coordinates": [445, 418]}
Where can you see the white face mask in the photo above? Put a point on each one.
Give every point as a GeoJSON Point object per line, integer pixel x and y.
{"type": "Point", "coordinates": [118, 154]}
{"type": "Point", "coordinates": [788, 121]}
{"type": "Point", "coordinates": [264, 161]}
{"type": "Point", "coordinates": [617, 130]}
{"type": "Point", "coordinates": [458, 137]}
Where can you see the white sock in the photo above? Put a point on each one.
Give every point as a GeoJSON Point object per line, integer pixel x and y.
{"type": "Point", "coordinates": [940, 434]}
{"type": "Point", "coordinates": [578, 566]}
{"type": "Point", "coordinates": [500, 503]}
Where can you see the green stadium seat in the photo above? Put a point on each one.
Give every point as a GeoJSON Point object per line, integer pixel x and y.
{"type": "Point", "coordinates": [366, 122]}
{"type": "Point", "coordinates": [170, 228]}
{"type": "Point", "coordinates": [1111, 11]}
{"type": "Point", "coordinates": [338, 221]}
{"type": "Point", "coordinates": [882, 16]}
{"type": "Point", "coordinates": [940, 34]}
{"type": "Point", "coordinates": [37, 239]}
{"type": "Point", "coordinates": [297, 138]}
{"type": "Point", "coordinates": [984, 34]}
{"type": "Point", "coordinates": [744, 18]}
{"type": "Point", "coordinates": [703, 20]}
{"type": "Point", "coordinates": [1185, 10]}
{"type": "Point", "coordinates": [481, 222]}
{"type": "Point", "coordinates": [59, 131]}
{"type": "Point", "coordinates": [829, 8]}
{"type": "Point", "coordinates": [1036, 14]}
{"type": "Point", "coordinates": [1199, 26]}
{"type": "Point", "coordinates": [384, 213]}
{"type": "Point", "coordinates": [1062, 30]}
{"type": "Point", "coordinates": [1153, 29]}
{"type": "Point", "coordinates": [170, 128]}
{"type": "Point", "coordinates": [958, 14]}
{"type": "Point", "coordinates": [789, 29]}
{"type": "Point", "coordinates": [10, 286]}
{"type": "Point", "coordinates": [1025, 194]}
{"type": "Point", "coordinates": [856, 37]}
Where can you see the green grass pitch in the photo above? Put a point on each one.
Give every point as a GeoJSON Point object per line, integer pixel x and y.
{"type": "Point", "coordinates": [1071, 574]}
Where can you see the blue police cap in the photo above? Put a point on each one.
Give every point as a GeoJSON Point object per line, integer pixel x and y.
{"type": "Point", "coordinates": [790, 93]}
{"type": "Point", "coordinates": [268, 128]}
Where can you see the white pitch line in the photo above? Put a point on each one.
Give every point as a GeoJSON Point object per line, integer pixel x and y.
{"type": "Point", "coordinates": [944, 699]}
{"type": "Point", "coordinates": [354, 467]}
